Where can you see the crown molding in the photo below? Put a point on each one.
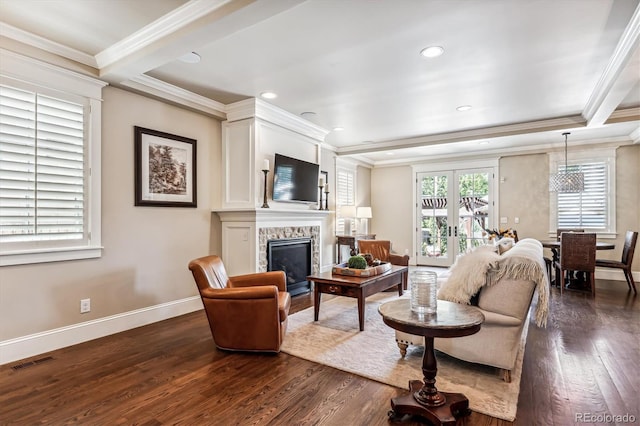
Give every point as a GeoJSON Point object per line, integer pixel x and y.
{"type": "Point", "coordinates": [157, 30]}
{"type": "Point", "coordinates": [33, 71]}
{"type": "Point", "coordinates": [622, 115]}
{"type": "Point", "coordinates": [635, 136]}
{"type": "Point", "coordinates": [545, 148]}
{"type": "Point", "coordinates": [262, 110]}
{"type": "Point", "coordinates": [571, 122]}
{"type": "Point", "coordinates": [47, 45]}
{"type": "Point", "coordinates": [169, 92]}
{"type": "Point", "coordinates": [624, 60]}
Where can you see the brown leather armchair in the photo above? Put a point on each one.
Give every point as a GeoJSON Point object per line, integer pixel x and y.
{"type": "Point", "coordinates": [246, 312]}
{"type": "Point", "coordinates": [381, 249]}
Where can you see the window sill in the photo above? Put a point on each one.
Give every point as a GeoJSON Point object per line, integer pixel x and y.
{"type": "Point", "coordinates": [26, 257]}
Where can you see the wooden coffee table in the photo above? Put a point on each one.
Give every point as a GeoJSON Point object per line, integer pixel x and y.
{"type": "Point", "coordinates": [356, 287]}
{"type": "Point", "coordinates": [450, 320]}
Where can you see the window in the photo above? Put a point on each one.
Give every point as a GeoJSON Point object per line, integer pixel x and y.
{"type": "Point", "coordinates": [345, 195]}
{"type": "Point", "coordinates": [49, 146]}
{"type": "Point", "coordinates": [592, 209]}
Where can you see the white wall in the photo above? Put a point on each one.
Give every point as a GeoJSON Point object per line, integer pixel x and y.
{"type": "Point", "coordinates": [146, 249]}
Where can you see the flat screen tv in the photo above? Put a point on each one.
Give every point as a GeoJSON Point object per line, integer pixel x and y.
{"type": "Point", "coordinates": [295, 180]}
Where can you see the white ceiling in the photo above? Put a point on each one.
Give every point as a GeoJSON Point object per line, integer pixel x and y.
{"type": "Point", "coordinates": [529, 69]}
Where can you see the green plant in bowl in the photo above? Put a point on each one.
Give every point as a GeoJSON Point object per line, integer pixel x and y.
{"type": "Point", "coordinates": [357, 262]}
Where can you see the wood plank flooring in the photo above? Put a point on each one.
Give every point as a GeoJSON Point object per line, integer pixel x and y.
{"type": "Point", "coordinates": [585, 361]}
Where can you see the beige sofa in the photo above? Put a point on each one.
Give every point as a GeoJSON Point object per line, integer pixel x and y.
{"type": "Point", "coordinates": [507, 284]}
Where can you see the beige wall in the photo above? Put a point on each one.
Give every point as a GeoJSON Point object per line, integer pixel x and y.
{"type": "Point", "coordinates": [391, 203]}
{"type": "Point", "coordinates": [146, 249]}
{"type": "Point", "coordinates": [523, 194]}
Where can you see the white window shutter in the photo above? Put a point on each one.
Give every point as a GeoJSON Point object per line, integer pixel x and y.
{"type": "Point", "coordinates": [588, 209]}
{"type": "Point", "coordinates": [42, 169]}
{"type": "Point", "coordinates": [345, 187]}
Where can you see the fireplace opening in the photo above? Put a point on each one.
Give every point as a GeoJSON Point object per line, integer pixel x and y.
{"type": "Point", "coordinates": [293, 256]}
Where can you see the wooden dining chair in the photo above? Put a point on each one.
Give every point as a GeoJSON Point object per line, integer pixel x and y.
{"type": "Point", "coordinates": [578, 253]}
{"type": "Point", "coordinates": [627, 258]}
{"type": "Point", "coordinates": [550, 262]}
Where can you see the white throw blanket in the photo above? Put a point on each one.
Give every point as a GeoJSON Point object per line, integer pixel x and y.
{"type": "Point", "coordinates": [483, 266]}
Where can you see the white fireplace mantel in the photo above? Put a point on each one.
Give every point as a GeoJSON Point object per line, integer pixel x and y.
{"type": "Point", "coordinates": [260, 215]}
{"type": "Point", "coordinates": [241, 243]}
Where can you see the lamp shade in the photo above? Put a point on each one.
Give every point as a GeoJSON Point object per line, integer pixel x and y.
{"type": "Point", "coordinates": [566, 182]}
{"type": "Point", "coordinates": [364, 213]}
{"type": "Point", "coordinates": [348, 211]}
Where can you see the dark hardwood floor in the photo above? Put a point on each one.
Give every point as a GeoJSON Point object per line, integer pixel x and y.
{"type": "Point", "coordinates": [585, 361]}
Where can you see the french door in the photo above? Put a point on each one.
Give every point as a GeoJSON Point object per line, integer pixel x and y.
{"type": "Point", "coordinates": [454, 208]}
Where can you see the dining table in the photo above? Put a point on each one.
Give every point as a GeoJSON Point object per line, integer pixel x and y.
{"type": "Point", "coordinates": [554, 245]}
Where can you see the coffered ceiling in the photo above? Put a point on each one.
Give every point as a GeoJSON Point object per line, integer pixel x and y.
{"type": "Point", "coordinates": [529, 69]}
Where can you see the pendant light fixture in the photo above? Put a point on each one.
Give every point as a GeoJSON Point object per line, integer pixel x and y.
{"type": "Point", "coordinates": [565, 181]}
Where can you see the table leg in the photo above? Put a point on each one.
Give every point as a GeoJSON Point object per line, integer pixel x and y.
{"type": "Point", "coordinates": [361, 309]}
{"type": "Point", "coordinates": [440, 408]}
{"type": "Point", "coordinates": [429, 395]}
{"type": "Point", "coordinates": [316, 302]}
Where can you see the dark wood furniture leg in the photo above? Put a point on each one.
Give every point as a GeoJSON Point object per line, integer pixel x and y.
{"type": "Point", "coordinates": [361, 309]}
{"type": "Point", "coordinates": [440, 408]}
{"type": "Point", "coordinates": [316, 302]}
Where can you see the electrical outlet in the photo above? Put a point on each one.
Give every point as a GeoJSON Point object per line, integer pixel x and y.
{"type": "Point", "coordinates": [85, 306]}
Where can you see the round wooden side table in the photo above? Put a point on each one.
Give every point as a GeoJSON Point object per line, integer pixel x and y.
{"type": "Point", "coordinates": [450, 320]}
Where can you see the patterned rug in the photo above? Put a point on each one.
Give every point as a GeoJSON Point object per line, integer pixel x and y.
{"type": "Point", "coordinates": [335, 341]}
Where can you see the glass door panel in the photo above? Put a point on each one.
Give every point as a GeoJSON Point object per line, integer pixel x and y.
{"type": "Point", "coordinates": [473, 209]}
{"type": "Point", "coordinates": [434, 218]}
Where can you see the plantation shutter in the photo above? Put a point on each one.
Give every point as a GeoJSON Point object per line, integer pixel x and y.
{"type": "Point", "coordinates": [345, 182]}
{"type": "Point", "coordinates": [42, 167]}
{"type": "Point", "coordinates": [587, 209]}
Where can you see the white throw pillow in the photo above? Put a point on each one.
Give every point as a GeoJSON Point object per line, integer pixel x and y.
{"type": "Point", "coordinates": [468, 275]}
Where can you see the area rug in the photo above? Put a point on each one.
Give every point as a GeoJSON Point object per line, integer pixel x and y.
{"type": "Point", "coordinates": [336, 341]}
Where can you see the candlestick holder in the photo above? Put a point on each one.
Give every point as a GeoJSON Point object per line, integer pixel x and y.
{"type": "Point", "coordinates": [264, 202]}
{"type": "Point", "coordinates": [320, 202]}
{"type": "Point", "coordinates": [326, 198]}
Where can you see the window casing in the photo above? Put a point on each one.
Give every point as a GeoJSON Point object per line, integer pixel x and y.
{"type": "Point", "coordinates": [49, 163]}
{"type": "Point", "coordinates": [593, 209]}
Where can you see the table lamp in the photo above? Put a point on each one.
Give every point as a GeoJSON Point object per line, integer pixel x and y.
{"type": "Point", "coordinates": [364, 214]}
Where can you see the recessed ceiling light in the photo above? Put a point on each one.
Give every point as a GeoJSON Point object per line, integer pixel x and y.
{"type": "Point", "coordinates": [432, 51]}
{"type": "Point", "coordinates": [464, 108]}
{"type": "Point", "coordinates": [190, 58]}
{"type": "Point", "coordinates": [484, 143]}
{"type": "Point", "coordinates": [268, 95]}
{"type": "Point", "coordinates": [390, 153]}
{"type": "Point", "coordinates": [338, 129]}
{"type": "Point", "coordinates": [307, 114]}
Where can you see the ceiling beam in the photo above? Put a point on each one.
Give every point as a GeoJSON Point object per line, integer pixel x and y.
{"type": "Point", "coordinates": [571, 122]}
{"type": "Point", "coordinates": [619, 77]}
{"type": "Point", "coordinates": [194, 24]}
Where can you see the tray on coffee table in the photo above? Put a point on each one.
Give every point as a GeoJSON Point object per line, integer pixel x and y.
{"type": "Point", "coordinates": [343, 269]}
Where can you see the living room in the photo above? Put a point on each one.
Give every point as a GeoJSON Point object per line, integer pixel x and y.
{"type": "Point", "coordinates": [141, 275]}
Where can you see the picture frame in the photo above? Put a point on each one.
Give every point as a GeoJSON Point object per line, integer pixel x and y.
{"type": "Point", "coordinates": [165, 169]}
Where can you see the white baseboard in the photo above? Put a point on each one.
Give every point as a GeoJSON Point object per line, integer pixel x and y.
{"type": "Point", "coordinates": [27, 346]}
{"type": "Point", "coordinates": [615, 274]}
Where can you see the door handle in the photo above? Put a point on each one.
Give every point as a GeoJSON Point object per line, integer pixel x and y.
{"type": "Point", "coordinates": [449, 231]}
{"type": "Point", "coordinates": [455, 231]}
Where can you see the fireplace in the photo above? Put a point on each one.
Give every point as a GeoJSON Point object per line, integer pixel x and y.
{"type": "Point", "coordinates": [294, 257]}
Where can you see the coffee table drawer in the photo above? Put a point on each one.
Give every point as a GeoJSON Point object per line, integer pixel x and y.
{"type": "Point", "coordinates": [337, 290]}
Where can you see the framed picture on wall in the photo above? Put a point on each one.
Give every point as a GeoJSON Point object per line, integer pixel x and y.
{"type": "Point", "coordinates": [165, 169]}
